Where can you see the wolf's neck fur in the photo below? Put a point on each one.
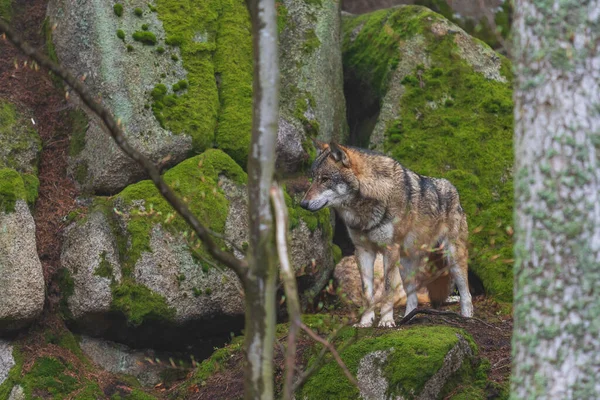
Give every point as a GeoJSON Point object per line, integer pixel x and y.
{"type": "Point", "coordinates": [363, 214]}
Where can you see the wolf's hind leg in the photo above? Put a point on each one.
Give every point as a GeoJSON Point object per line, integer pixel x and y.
{"type": "Point", "coordinates": [366, 261]}
{"type": "Point", "coordinates": [457, 260]}
{"type": "Point", "coordinates": [408, 271]}
{"type": "Point", "coordinates": [391, 278]}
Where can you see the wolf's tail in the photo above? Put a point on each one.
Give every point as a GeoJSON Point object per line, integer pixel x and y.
{"type": "Point", "coordinates": [439, 289]}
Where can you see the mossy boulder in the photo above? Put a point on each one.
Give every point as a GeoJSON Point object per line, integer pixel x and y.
{"type": "Point", "coordinates": [130, 255]}
{"type": "Point", "coordinates": [20, 144]}
{"type": "Point", "coordinates": [312, 99]}
{"type": "Point", "coordinates": [440, 102]}
{"type": "Point", "coordinates": [422, 362]}
{"type": "Point", "coordinates": [122, 80]}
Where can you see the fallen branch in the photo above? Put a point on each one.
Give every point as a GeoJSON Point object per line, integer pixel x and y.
{"type": "Point", "coordinates": [429, 311]}
{"type": "Point", "coordinates": [114, 129]}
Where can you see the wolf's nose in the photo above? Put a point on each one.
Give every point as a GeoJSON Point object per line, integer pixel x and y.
{"type": "Point", "coordinates": [304, 204]}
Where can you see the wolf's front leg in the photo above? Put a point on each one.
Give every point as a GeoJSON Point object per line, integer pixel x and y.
{"type": "Point", "coordinates": [408, 271]}
{"type": "Point", "coordinates": [366, 261]}
{"type": "Point", "coordinates": [392, 283]}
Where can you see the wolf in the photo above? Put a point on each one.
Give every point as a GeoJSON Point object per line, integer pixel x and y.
{"type": "Point", "coordinates": [414, 221]}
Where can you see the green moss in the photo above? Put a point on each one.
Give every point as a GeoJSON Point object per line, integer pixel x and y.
{"type": "Point", "coordinates": [121, 34]}
{"type": "Point", "coordinates": [12, 188]}
{"type": "Point", "coordinates": [49, 375]}
{"type": "Point", "coordinates": [181, 85]}
{"type": "Point", "coordinates": [144, 37]}
{"type": "Point", "coordinates": [118, 9]}
{"type": "Point", "coordinates": [160, 50]}
{"type": "Point", "coordinates": [418, 353]}
{"type": "Point", "coordinates": [138, 11]}
{"type": "Point", "coordinates": [282, 16]}
{"type": "Point", "coordinates": [216, 51]}
{"type": "Point", "coordinates": [104, 269]}
{"type": "Point", "coordinates": [18, 139]}
{"type": "Point", "coordinates": [466, 138]}
{"type": "Point", "coordinates": [81, 172]}
{"type": "Point", "coordinates": [145, 27]}
{"type": "Point", "coordinates": [6, 10]}
{"type": "Point", "coordinates": [311, 42]}
{"type": "Point", "coordinates": [130, 48]}
{"type": "Point", "coordinates": [152, 8]}
{"type": "Point", "coordinates": [32, 185]}
{"type": "Point", "coordinates": [79, 127]}
{"type": "Point", "coordinates": [174, 57]}
{"type": "Point", "coordinates": [138, 303]}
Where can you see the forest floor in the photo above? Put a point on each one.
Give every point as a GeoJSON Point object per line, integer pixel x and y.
{"type": "Point", "coordinates": [36, 90]}
{"type": "Point", "coordinates": [491, 330]}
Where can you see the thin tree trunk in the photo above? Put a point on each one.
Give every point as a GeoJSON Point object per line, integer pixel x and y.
{"type": "Point", "coordinates": [556, 340]}
{"type": "Point", "coordinates": [262, 274]}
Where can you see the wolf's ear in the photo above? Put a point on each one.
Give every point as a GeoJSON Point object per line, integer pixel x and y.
{"type": "Point", "coordinates": [320, 146]}
{"type": "Point", "coordinates": [339, 154]}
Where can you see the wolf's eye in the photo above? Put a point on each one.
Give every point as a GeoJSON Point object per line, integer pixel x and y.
{"type": "Point", "coordinates": [324, 179]}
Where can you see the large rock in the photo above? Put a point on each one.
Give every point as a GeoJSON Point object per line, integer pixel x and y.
{"type": "Point", "coordinates": [416, 363]}
{"type": "Point", "coordinates": [128, 256]}
{"type": "Point", "coordinates": [120, 359]}
{"type": "Point", "coordinates": [21, 276]}
{"type": "Point", "coordinates": [185, 85]}
{"type": "Point", "coordinates": [312, 99]}
{"type": "Point", "coordinates": [440, 102]}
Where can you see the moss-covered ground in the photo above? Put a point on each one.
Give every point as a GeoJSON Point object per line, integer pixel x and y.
{"type": "Point", "coordinates": [453, 123]}
{"type": "Point", "coordinates": [6, 9]}
{"type": "Point", "coordinates": [216, 48]}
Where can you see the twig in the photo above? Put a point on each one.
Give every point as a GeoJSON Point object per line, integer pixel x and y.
{"type": "Point", "coordinates": [114, 129]}
{"type": "Point", "coordinates": [332, 350]}
{"type": "Point", "coordinates": [289, 283]}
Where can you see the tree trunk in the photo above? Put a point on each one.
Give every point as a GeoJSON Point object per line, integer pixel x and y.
{"type": "Point", "coordinates": [556, 340]}
{"type": "Point", "coordinates": [262, 274]}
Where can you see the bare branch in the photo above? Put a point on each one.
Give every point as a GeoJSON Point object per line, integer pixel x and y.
{"type": "Point", "coordinates": [333, 352]}
{"type": "Point", "coordinates": [289, 283]}
{"type": "Point", "coordinates": [114, 129]}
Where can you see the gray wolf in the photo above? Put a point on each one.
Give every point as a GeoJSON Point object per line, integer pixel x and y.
{"type": "Point", "coordinates": [415, 222]}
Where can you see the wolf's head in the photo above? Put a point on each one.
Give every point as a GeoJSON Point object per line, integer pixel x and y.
{"type": "Point", "coordinates": [333, 180]}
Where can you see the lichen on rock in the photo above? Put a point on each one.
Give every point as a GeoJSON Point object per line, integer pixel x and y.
{"type": "Point", "coordinates": [311, 100]}
{"type": "Point", "coordinates": [446, 111]}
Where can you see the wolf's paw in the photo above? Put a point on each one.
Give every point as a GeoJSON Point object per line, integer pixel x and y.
{"type": "Point", "coordinates": [366, 321]}
{"type": "Point", "coordinates": [387, 323]}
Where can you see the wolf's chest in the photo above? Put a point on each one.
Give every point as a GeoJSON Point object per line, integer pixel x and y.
{"type": "Point", "coordinates": [367, 227]}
